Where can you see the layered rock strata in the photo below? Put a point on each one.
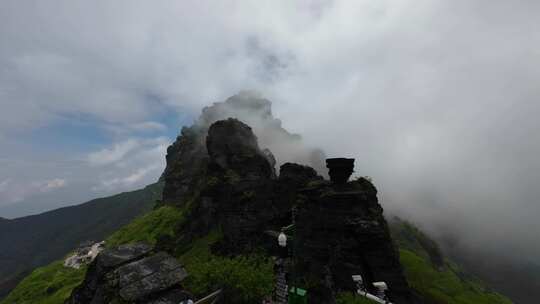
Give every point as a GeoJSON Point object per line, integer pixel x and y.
{"type": "Point", "coordinates": [132, 274]}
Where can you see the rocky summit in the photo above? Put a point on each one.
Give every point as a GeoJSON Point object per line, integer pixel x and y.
{"type": "Point", "coordinates": [340, 228]}
{"type": "Point", "coordinates": [242, 223]}
{"type": "Point", "coordinates": [188, 154]}
{"type": "Point", "coordinates": [224, 181]}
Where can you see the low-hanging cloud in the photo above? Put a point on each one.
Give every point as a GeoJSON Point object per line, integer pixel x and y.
{"type": "Point", "coordinates": [436, 100]}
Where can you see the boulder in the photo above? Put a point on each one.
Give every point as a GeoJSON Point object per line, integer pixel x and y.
{"type": "Point", "coordinates": [123, 254]}
{"type": "Point", "coordinates": [134, 274]}
{"type": "Point", "coordinates": [150, 275]}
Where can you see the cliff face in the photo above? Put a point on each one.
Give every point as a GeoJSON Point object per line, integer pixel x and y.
{"type": "Point", "coordinates": [222, 180]}
{"type": "Point", "coordinates": [341, 232]}
{"type": "Point", "coordinates": [188, 154]}
{"type": "Point", "coordinates": [340, 228]}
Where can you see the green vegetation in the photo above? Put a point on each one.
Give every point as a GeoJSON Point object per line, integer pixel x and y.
{"type": "Point", "coordinates": [408, 236]}
{"type": "Point", "coordinates": [245, 279]}
{"type": "Point", "coordinates": [35, 241]}
{"type": "Point", "coordinates": [445, 286]}
{"type": "Point", "coordinates": [437, 280]}
{"type": "Point", "coordinates": [50, 284]}
{"type": "Point", "coordinates": [53, 283]}
{"type": "Point", "coordinates": [350, 298]}
{"type": "Point", "coordinates": [149, 227]}
{"type": "Point", "coordinates": [249, 278]}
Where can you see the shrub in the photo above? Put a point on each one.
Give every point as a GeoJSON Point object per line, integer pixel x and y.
{"type": "Point", "coordinates": [244, 279]}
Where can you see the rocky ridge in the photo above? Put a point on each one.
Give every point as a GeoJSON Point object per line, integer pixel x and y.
{"type": "Point", "coordinates": [224, 181]}
{"type": "Point", "coordinates": [341, 230]}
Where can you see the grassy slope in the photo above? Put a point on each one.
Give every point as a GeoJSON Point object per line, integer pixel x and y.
{"type": "Point", "coordinates": [250, 277]}
{"type": "Point", "coordinates": [35, 288]}
{"type": "Point", "coordinates": [33, 241]}
{"type": "Point", "coordinates": [445, 285]}
{"type": "Point", "coordinates": [245, 279]}
{"type": "Point", "coordinates": [51, 284]}
{"type": "Point", "coordinates": [149, 227]}
{"type": "Point", "coordinates": [434, 278]}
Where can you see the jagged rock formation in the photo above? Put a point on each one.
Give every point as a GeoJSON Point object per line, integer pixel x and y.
{"type": "Point", "coordinates": [243, 198]}
{"type": "Point", "coordinates": [187, 156]}
{"type": "Point", "coordinates": [341, 230]}
{"type": "Point", "coordinates": [222, 179]}
{"type": "Point", "coordinates": [132, 274]}
{"type": "Point", "coordinates": [235, 190]}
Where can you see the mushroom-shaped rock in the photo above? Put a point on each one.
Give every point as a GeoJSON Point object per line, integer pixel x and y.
{"type": "Point", "coordinates": [340, 169]}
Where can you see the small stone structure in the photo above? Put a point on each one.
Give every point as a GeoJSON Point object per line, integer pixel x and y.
{"type": "Point", "coordinates": [85, 254]}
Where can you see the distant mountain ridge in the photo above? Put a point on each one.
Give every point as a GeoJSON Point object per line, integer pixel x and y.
{"type": "Point", "coordinates": [36, 240]}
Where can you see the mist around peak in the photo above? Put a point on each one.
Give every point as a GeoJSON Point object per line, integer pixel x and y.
{"type": "Point", "coordinates": [253, 109]}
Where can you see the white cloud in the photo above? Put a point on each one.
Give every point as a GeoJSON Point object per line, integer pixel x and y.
{"type": "Point", "coordinates": [113, 154]}
{"type": "Point", "coordinates": [148, 126]}
{"type": "Point", "coordinates": [129, 181]}
{"type": "Point", "coordinates": [51, 184]}
{"type": "Point", "coordinates": [4, 185]}
{"type": "Point", "coordinates": [139, 164]}
{"type": "Point", "coordinates": [437, 100]}
{"type": "Point", "coordinates": [12, 191]}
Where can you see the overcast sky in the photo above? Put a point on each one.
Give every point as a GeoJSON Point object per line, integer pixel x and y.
{"type": "Point", "coordinates": [437, 100]}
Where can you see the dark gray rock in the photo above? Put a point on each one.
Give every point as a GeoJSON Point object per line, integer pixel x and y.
{"type": "Point", "coordinates": [340, 169]}
{"type": "Point", "coordinates": [186, 157]}
{"type": "Point", "coordinates": [123, 254]}
{"type": "Point", "coordinates": [297, 174]}
{"type": "Point", "coordinates": [341, 232]}
{"type": "Point", "coordinates": [173, 296]}
{"type": "Point", "coordinates": [340, 227]}
{"type": "Point", "coordinates": [133, 274]}
{"type": "Point", "coordinates": [232, 145]}
{"type": "Point", "coordinates": [149, 275]}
